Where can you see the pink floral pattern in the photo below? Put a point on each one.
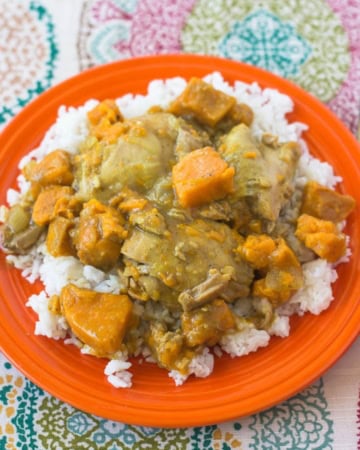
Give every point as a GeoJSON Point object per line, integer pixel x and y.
{"type": "Point", "coordinates": [157, 26]}
{"type": "Point", "coordinates": [346, 104]}
{"type": "Point", "coordinates": [119, 29]}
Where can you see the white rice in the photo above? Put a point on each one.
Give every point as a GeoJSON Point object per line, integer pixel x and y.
{"type": "Point", "coordinates": [70, 129]}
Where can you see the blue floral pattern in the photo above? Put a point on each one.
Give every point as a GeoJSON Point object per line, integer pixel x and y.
{"type": "Point", "coordinates": [301, 423]}
{"type": "Point", "coordinates": [263, 40]}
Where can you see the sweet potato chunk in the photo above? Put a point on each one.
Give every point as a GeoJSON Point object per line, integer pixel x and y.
{"type": "Point", "coordinates": [283, 277]}
{"type": "Point", "coordinates": [99, 235]}
{"type": "Point", "coordinates": [107, 110]}
{"type": "Point", "coordinates": [54, 168]}
{"type": "Point", "coordinates": [45, 204]}
{"type": "Point", "coordinates": [166, 346]}
{"type": "Point", "coordinates": [257, 249]}
{"type": "Point", "coordinates": [202, 101]}
{"type": "Point", "coordinates": [58, 241]}
{"type": "Point", "coordinates": [324, 203]}
{"type": "Point", "coordinates": [97, 319]}
{"type": "Point", "coordinates": [201, 177]}
{"type": "Point", "coordinates": [207, 324]}
{"type": "Point", "coordinates": [106, 121]}
{"type": "Point", "coordinates": [276, 296]}
{"type": "Point", "coordinates": [322, 237]}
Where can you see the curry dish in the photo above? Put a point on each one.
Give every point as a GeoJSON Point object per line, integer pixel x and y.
{"type": "Point", "coordinates": [202, 222]}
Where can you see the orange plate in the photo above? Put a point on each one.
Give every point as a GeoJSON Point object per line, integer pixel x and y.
{"type": "Point", "coordinates": [237, 387]}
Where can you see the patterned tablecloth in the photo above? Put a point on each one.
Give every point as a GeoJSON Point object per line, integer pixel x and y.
{"type": "Point", "coordinates": [317, 45]}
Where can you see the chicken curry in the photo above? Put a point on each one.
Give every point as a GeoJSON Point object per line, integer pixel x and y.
{"type": "Point", "coordinates": [192, 213]}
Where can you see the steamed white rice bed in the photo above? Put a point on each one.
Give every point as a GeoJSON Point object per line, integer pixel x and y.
{"type": "Point", "coordinates": [70, 129]}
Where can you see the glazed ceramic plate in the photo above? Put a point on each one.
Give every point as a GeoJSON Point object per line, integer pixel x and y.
{"type": "Point", "coordinates": [237, 387]}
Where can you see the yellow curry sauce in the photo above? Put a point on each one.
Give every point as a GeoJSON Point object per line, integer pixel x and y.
{"type": "Point", "coordinates": [192, 213]}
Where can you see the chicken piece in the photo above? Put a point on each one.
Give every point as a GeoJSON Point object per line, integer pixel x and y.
{"type": "Point", "coordinates": [322, 237]}
{"type": "Point", "coordinates": [189, 138]}
{"type": "Point", "coordinates": [18, 218]}
{"type": "Point", "coordinates": [21, 241]}
{"type": "Point", "coordinates": [58, 240]}
{"type": "Point", "coordinates": [206, 325]}
{"type": "Point", "coordinates": [324, 203]}
{"type": "Point", "coordinates": [97, 319]}
{"type": "Point", "coordinates": [142, 155]}
{"type": "Point", "coordinates": [203, 102]}
{"type": "Point", "coordinates": [191, 250]}
{"type": "Point", "coordinates": [166, 347]}
{"type": "Point", "coordinates": [258, 310]}
{"type": "Point", "coordinates": [283, 277]}
{"type": "Point", "coordinates": [216, 284]}
{"type": "Point", "coordinates": [201, 177]}
{"type": "Point", "coordinates": [263, 174]}
{"type": "Point", "coordinates": [46, 203]}
{"type": "Point", "coordinates": [54, 169]}
{"type": "Point", "coordinates": [99, 235]}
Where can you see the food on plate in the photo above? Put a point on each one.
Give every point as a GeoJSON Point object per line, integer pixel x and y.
{"type": "Point", "coordinates": [174, 226]}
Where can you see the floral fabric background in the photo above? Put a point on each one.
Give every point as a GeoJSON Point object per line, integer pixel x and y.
{"type": "Point", "coordinates": [317, 45]}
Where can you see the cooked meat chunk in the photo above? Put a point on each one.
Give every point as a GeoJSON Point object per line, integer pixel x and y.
{"type": "Point", "coordinates": [20, 241]}
{"type": "Point", "coordinates": [263, 175]}
{"type": "Point", "coordinates": [139, 157]}
{"type": "Point", "coordinates": [216, 284]}
{"type": "Point", "coordinates": [190, 138]}
{"type": "Point", "coordinates": [167, 347]}
{"type": "Point", "coordinates": [192, 251]}
{"type": "Point", "coordinates": [207, 324]}
{"type": "Point", "coordinates": [196, 222]}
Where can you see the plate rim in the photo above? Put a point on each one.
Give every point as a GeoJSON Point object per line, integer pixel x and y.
{"type": "Point", "coordinates": [217, 413]}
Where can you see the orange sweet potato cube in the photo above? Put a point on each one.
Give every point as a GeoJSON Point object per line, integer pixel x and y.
{"type": "Point", "coordinates": [201, 177]}
{"type": "Point", "coordinates": [202, 101]}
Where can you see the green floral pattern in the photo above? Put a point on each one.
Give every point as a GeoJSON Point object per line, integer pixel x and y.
{"type": "Point", "coordinates": [40, 422]}
{"type": "Point", "coordinates": [263, 40]}
{"type": "Point", "coordinates": [62, 427]}
{"type": "Point", "coordinates": [306, 415]}
{"type": "Point", "coordinates": [306, 43]}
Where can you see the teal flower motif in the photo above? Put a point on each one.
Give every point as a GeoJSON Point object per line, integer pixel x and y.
{"type": "Point", "coordinates": [303, 422]}
{"type": "Point", "coordinates": [23, 421]}
{"type": "Point", "coordinates": [114, 430]}
{"type": "Point", "coordinates": [263, 40]}
{"type": "Point", "coordinates": [3, 394]}
{"type": "Point", "coordinates": [80, 423]}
